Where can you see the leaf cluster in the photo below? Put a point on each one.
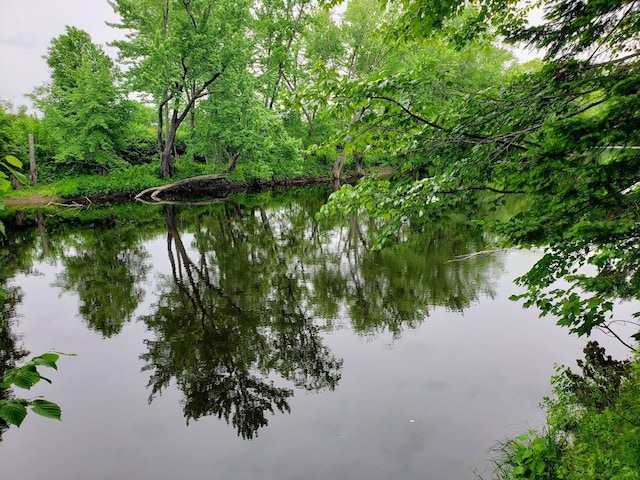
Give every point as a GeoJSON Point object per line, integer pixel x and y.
{"type": "Point", "coordinates": [14, 410]}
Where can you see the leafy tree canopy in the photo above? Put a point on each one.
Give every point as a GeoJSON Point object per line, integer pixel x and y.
{"type": "Point", "coordinates": [175, 52]}
{"type": "Point", "coordinates": [82, 104]}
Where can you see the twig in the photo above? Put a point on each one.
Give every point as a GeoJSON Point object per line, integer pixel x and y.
{"type": "Point", "coordinates": [461, 258]}
{"type": "Point", "coordinates": [67, 205]}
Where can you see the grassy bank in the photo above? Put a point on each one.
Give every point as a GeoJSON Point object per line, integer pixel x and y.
{"type": "Point", "coordinates": [125, 184]}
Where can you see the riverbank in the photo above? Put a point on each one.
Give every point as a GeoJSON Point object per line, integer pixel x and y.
{"type": "Point", "coordinates": [90, 191]}
{"type": "Point", "coordinates": [35, 199]}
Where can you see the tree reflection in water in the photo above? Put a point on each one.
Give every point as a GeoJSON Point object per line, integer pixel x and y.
{"type": "Point", "coordinates": [221, 330]}
{"type": "Point", "coordinates": [10, 349]}
{"type": "Point", "coordinates": [248, 297]}
{"type": "Point", "coordinates": [239, 319]}
{"type": "Point", "coordinates": [106, 266]}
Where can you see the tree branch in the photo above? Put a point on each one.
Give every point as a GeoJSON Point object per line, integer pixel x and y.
{"type": "Point", "coordinates": [473, 136]}
{"type": "Point", "coordinates": [410, 113]}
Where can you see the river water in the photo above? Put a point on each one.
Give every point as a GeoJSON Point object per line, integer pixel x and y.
{"type": "Point", "coordinates": [247, 340]}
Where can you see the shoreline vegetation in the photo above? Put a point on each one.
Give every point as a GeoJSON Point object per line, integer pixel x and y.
{"type": "Point", "coordinates": [592, 427]}
{"type": "Point", "coordinates": [211, 188]}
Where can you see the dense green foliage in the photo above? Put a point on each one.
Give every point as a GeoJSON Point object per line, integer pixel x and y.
{"type": "Point", "coordinates": [83, 105]}
{"type": "Point", "coordinates": [592, 430]}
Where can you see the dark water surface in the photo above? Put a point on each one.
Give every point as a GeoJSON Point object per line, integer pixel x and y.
{"type": "Point", "coordinates": [246, 340]}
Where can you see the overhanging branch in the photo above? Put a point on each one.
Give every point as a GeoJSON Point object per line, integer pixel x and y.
{"type": "Point", "coordinates": [472, 136]}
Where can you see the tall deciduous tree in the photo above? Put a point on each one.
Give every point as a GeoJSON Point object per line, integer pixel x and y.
{"type": "Point", "coordinates": [176, 50]}
{"type": "Point", "coordinates": [279, 27]}
{"type": "Point", "coordinates": [82, 103]}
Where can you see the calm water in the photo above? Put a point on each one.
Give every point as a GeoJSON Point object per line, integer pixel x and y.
{"type": "Point", "coordinates": [246, 340]}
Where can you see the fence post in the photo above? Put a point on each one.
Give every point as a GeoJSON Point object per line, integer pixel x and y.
{"type": "Point", "coordinates": [33, 171]}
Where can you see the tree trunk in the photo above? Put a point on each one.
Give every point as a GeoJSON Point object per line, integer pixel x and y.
{"type": "Point", "coordinates": [166, 120]}
{"type": "Point", "coordinates": [357, 159]}
{"type": "Point", "coordinates": [336, 170]}
{"type": "Point", "coordinates": [233, 163]}
{"type": "Point", "coordinates": [43, 234]}
{"type": "Point", "coordinates": [166, 155]}
{"type": "Point", "coordinates": [166, 161]}
{"type": "Point", "coordinates": [153, 192]}
{"type": "Point", "coordinates": [160, 130]}
{"type": "Point", "coordinates": [15, 183]}
{"type": "Point", "coordinates": [341, 156]}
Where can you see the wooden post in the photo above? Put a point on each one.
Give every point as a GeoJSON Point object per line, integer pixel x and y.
{"type": "Point", "coordinates": [33, 171]}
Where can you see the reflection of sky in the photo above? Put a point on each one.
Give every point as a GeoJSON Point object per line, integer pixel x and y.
{"type": "Point", "coordinates": [28, 26]}
{"type": "Point", "coordinates": [466, 380]}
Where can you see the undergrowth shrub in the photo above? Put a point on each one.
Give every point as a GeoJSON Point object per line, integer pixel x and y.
{"type": "Point", "coordinates": [592, 430]}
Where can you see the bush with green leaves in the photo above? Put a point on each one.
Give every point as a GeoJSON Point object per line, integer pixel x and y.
{"type": "Point", "coordinates": [531, 456]}
{"type": "Point", "coordinates": [592, 430]}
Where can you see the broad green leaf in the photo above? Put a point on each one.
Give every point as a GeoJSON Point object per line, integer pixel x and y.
{"type": "Point", "coordinates": [24, 378]}
{"type": "Point", "coordinates": [12, 412]}
{"type": "Point", "coordinates": [19, 175]}
{"type": "Point", "coordinates": [47, 360]}
{"type": "Point", "coordinates": [11, 160]}
{"type": "Point", "coordinates": [46, 409]}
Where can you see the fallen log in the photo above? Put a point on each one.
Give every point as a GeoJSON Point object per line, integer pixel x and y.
{"type": "Point", "coordinates": [153, 192]}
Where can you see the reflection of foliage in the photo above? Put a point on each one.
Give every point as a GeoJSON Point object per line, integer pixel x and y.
{"type": "Point", "coordinates": [221, 344]}
{"type": "Point", "coordinates": [238, 321]}
{"type": "Point", "coordinates": [106, 270]}
{"type": "Point", "coordinates": [213, 365]}
{"type": "Point", "coordinates": [10, 350]}
{"type": "Point", "coordinates": [240, 303]}
{"type": "Point", "coordinates": [17, 249]}
{"type": "Point", "coordinates": [601, 379]}
{"type": "Point", "coordinates": [396, 287]}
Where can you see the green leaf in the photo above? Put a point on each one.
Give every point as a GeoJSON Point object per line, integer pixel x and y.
{"type": "Point", "coordinates": [20, 176]}
{"type": "Point", "coordinates": [24, 378]}
{"type": "Point", "coordinates": [12, 412]}
{"type": "Point", "coordinates": [47, 360]}
{"type": "Point", "coordinates": [46, 409]}
{"type": "Point", "coordinates": [11, 160]}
